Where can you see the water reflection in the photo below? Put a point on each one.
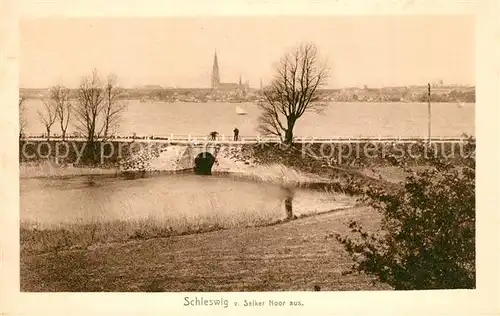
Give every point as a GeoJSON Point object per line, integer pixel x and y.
{"type": "Point", "coordinates": [289, 192]}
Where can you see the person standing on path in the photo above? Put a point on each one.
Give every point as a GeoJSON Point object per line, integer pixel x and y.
{"type": "Point", "coordinates": [213, 135]}
{"type": "Point", "coordinates": [236, 133]}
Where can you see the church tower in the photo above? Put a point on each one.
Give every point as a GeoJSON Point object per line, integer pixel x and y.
{"type": "Point", "coordinates": [215, 73]}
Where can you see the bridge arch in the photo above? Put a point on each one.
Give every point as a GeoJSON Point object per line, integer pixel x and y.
{"type": "Point", "coordinates": [203, 163]}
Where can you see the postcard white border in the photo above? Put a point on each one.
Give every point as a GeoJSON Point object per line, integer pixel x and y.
{"type": "Point", "coordinates": [483, 300]}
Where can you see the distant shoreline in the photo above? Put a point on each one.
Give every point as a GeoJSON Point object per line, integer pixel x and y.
{"type": "Point", "coordinates": [454, 103]}
{"type": "Point", "coordinates": [409, 94]}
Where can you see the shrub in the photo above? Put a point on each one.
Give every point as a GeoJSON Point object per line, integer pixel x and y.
{"type": "Point", "coordinates": [427, 236]}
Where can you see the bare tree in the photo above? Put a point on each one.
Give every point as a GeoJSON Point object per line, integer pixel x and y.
{"type": "Point", "coordinates": [49, 115]}
{"type": "Point", "coordinates": [98, 108]}
{"type": "Point", "coordinates": [292, 92]}
{"type": "Point", "coordinates": [89, 108]}
{"type": "Point", "coordinates": [22, 116]}
{"type": "Point", "coordinates": [114, 106]}
{"type": "Point", "coordinates": [60, 96]}
{"type": "Point", "coordinates": [90, 105]}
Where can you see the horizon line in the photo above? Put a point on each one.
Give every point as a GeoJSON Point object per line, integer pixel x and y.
{"type": "Point", "coordinates": [158, 86]}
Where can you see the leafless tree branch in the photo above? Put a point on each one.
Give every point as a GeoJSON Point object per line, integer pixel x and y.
{"type": "Point", "coordinates": [114, 106]}
{"type": "Point", "coordinates": [293, 92]}
{"type": "Point", "coordinates": [60, 96]}
{"type": "Point", "coordinates": [90, 106]}
{"type": "Point", "coordinates": [48, 115]}
{"type": "Point", "coordinates": [98, 107]}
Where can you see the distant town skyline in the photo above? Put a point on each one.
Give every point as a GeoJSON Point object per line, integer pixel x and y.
{"type": "Point", "coordinates": [374, 51]}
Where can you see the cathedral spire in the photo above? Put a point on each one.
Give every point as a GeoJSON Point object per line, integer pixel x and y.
{"type": "Point", "coordinates": [215, 73]}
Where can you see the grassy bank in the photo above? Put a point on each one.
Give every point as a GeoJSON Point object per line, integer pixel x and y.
{"type": "Point", "coordinates": [359, 155]}
{"type": "Point", "coordinates": [83, 236]}
{"type": "Point", "coordinates": [299, 255]}
{"type": "Point", "coordinates": [353, 167]}
{"type": "Point", "coordinates": [39, 238]}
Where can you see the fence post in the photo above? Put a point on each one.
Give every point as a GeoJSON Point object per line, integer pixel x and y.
{"type": "Point", "coordinates": [429, 110]}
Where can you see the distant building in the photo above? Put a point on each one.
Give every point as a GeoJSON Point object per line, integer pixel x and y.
{"type": "Point", "coordinates": [215, 74]}
{"type": "Point", "coordinates": [221, 86]}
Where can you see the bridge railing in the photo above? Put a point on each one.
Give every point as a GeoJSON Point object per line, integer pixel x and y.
{"type": "Point", "coordinates": [250, 139]}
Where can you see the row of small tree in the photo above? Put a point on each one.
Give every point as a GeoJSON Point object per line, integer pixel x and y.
{"type": "Point", "coordinates": [94, 108]}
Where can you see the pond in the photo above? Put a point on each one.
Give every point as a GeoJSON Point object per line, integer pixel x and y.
{"type": "Point", "coordinates": [173, 199]}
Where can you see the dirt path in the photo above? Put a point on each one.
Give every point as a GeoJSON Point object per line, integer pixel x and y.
{"type": "Point", "coordinates": [295, 256]}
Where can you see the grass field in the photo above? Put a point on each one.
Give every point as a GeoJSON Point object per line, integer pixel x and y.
{"type": "Point", "coordinates": [298, 255]}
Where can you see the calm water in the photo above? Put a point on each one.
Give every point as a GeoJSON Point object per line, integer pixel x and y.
{"type": "Point", "coordinates": [338, 119]}
{"type": "Point", "coordinates": [167, 197]}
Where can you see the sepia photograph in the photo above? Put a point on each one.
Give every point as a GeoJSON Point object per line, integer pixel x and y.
{"type": "Point", "coordinates": [247, 154]}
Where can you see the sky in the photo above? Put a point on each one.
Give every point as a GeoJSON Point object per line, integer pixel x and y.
{"type": "Point", "coordinates": [178, 52]}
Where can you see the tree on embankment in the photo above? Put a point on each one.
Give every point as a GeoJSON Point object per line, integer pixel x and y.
{"type": "Point", "coordinates": [293, 91]}
{"type": "Point", "coordinates": [97, 110]}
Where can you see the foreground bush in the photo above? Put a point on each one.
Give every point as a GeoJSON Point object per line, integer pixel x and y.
{"type": "Point", "coordinates": [427, 237]}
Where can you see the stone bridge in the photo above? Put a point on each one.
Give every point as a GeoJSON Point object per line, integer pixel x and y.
{"type": "Point", "coordinates": [201, 158]}
{"type": "Point", "coordinates": [178, 153]}
{"type": "Point", "coordinates": [162, 157]}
